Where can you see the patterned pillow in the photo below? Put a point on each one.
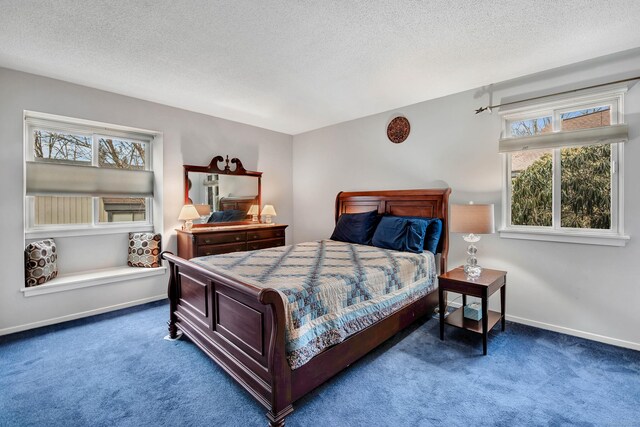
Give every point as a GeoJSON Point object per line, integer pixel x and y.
{"type": "Point", "coordinates": [144, 250]}
{"type": "Point", "coordinates": [40, 262]}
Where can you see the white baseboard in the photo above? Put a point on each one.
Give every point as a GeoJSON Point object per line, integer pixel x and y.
{"type": "Point", "coordinates": [576, 333]}
{"type": "Point", "coordinates": [568, 331]}
{"type": "Point", "coordinates": [82, 314]}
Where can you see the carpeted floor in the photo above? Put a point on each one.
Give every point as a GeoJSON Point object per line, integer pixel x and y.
{"type": "Point", "coordinates": [116, 370]}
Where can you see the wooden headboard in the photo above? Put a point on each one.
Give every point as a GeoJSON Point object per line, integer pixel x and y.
{"type": "Point", "coordinates": [432, 203]}
{"type": "Point", "coordinates": [237, 203]}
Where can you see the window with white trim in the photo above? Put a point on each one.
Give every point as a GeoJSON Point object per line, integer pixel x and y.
{"type": "Point", "coordinates": [563, 170]}
{"type": "Point", "coordinates": [82, 175]}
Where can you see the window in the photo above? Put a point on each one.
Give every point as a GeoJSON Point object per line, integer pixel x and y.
{"type": "Point", "coordinates": [82, 175]}
{"type": "Point", "coordinates": [563, 163]}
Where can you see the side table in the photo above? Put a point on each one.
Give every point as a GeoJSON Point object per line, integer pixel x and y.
{"type": "Point", "coordinates": [482, 287]}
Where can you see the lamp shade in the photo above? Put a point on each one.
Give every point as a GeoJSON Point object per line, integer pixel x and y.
{"type": "Point", "coordinates": [188, 212]}
{"type": "Point", "coordinates": [253, 210]}
{"type": "Point", "coordinates": [268, 210]}
{"type": "Point", "coordinates": [203, 210]}
{"type": "Point", "coordinates": [471, 218]}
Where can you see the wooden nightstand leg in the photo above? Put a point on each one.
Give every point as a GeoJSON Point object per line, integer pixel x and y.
{"type": "Point", "coordinates": [443, 307]}
{"type": "Point", "coordinates": [485, 323]}
{"type": "Point", "coordinates": [503, 303]}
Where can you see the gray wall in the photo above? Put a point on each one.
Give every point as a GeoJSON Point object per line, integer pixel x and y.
{"type": "Point", "coordinates": [584, 290]}
{"type": "Point", "coordinates": [189, 138]}
{"type": "Point", "coordinates": [579, 289]}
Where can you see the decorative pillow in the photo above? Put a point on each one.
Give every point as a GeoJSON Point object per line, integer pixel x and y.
{"type": "Point", "coordinates": [228, 216]}
{"type": "Point", "coordinates": [216, 217]}
{"type": "Point", "coordinates": [432, 238]}
{"type": "Point", "coordinates": [40, 259]}
{"type": "Point", "coordinates": [144, 250]}
{"type": "Point", "coordinates": [356, 227]}
{"type": "Point", "coordinates": [434, 231]}
{"type": "Point", "coordinates": [400, 234]}
{"type": "Point", "coordinates": [234, 215]}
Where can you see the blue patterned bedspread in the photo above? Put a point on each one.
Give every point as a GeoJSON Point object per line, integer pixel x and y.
{"type": "Point", "coordinates": [331, 289]}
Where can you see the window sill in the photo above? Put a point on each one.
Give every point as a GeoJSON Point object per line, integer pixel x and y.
{"type": "Point", "coordinates": [601, 239]}
{"type": "Point", "coordinates": [90, 278]}
{"type": "Point", "coordinates": [87, 231]}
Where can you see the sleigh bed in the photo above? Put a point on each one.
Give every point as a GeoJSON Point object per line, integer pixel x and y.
{"type": "Point", "coordinates": [241, 323]}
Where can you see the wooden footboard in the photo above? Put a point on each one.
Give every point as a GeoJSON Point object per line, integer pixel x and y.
{"type": "Point", "coordinates": [239, 326]}
{"type": "Point", "coordinates": [242, 327]}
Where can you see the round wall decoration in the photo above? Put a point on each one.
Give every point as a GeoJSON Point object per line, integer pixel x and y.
{"type": "Point", "coordinates": [398, 130]}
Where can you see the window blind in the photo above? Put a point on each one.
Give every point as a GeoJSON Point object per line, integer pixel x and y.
{"type": "Point", "coordinates": [60, 179]}
{"type": "Point", "coordinates": [600, 135]}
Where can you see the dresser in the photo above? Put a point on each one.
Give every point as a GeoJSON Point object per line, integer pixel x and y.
{"type": "Point", "coordinates": [221, 240]}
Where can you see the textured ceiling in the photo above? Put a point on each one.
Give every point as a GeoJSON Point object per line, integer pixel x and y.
{"type": "Point", "coordinates": [294, 66]}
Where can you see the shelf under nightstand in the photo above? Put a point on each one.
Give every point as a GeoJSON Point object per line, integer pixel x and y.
{"type": "Point", "coordinates": [458, 320]}
{"type": "Point", "coordinates": [489, 282]}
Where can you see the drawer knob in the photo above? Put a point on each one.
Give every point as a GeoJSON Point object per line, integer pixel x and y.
{"type": "Point", "coordinates": [207, 241]}
{"type": "Point", "coordinates": [255, 236]}
{"type": "Point", "coordinates": [237, 238]}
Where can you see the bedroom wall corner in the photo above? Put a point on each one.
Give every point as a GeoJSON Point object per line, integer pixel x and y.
{"type": "Point", "coordinates": [187, 137]}
{"type": "Point", "coordinates": [578, 289]}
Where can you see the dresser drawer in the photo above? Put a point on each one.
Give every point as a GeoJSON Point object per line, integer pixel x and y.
{"type": "Point", "coordinates": [265, 234]}
{"type": "Point", "coordinates": [221, 249]}
{"type": "Point", "coordinates": [216, 238]}
{"type": "Point", "coordinates": [214, 241]}
{"type": "Point", "coordinates": [263, 244]}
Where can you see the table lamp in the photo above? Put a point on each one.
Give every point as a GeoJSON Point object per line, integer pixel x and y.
{"type": "Point", "coordinates": [253, 211]}
{"type": "Point", "coordinates": [268, 211]}
{"type": "Point", "coordinates": [473, 220]}
{"type": "Point", "coordinates": [188, 214]}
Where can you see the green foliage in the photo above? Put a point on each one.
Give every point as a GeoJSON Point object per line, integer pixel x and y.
{"type": "Point", "coordinates": [586, 187]}
{"type": "Point", "coordinates": [585, 190]}
{"type": "Point", "coordinates": [532, 194]}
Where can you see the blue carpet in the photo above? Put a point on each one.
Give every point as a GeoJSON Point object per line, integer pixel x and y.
{"type": "Point", "coordinates": [115, 369]}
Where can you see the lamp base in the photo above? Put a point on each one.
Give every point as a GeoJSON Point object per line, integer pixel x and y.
{"type": "Point", "coordinates": [267, 219]}
{"type": "Point", "coordinates": [471, 269]}
{"type": "Point", "coordinates": [188, 225]}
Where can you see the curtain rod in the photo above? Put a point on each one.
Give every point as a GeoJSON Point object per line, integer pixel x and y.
{"type": "Point", "coordinates": [490, 107]}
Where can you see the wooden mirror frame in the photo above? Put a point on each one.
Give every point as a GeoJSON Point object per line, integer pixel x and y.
{"type": "Point", "coordinates": [213, 168]}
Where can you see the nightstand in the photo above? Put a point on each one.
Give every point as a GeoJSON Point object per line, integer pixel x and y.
{"type": "Point", "coordinates": [483, 287]}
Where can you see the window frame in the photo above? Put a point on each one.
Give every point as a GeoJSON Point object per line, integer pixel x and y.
{"type": "Point", "coordinates": [97, 130]}
{"type": "Point", "coordinates": [614, 236]}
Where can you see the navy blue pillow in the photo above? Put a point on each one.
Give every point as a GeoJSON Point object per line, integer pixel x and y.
{"type": "Point", "coordinates": [216, 217]}
{"type": "Point", "coordinates": [400, 234]}
{"type": "Point", "coordinates": [356, 228]}
{"type": "Point", "coordinates": [432, 238]}
{"type": "Point", "coordinates": [434, 231]}
{"type": "Point", "coordinates": [228, 216]}
{"type": "Point", "coordinates": [234, 215]}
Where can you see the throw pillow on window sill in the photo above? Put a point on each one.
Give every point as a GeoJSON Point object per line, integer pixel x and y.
{"type": "Point", "coordinates": [40, 262]}
{"type": "Point", "coordinates": [144, 250]}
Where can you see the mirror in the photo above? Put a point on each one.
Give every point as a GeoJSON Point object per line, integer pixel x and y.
{"type": "Point", "coordinates": [222, 194]}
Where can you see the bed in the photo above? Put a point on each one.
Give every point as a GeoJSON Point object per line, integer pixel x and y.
{"type": "Point", "coordinates": [241, 317]}
{"type": "Point", "coordinates": [233, 209]}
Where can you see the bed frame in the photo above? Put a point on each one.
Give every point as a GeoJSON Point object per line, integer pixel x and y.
{"type": "Point", "coordinates": [242, 327]}
{"type": "Point", "coordinates": [238, 203]}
